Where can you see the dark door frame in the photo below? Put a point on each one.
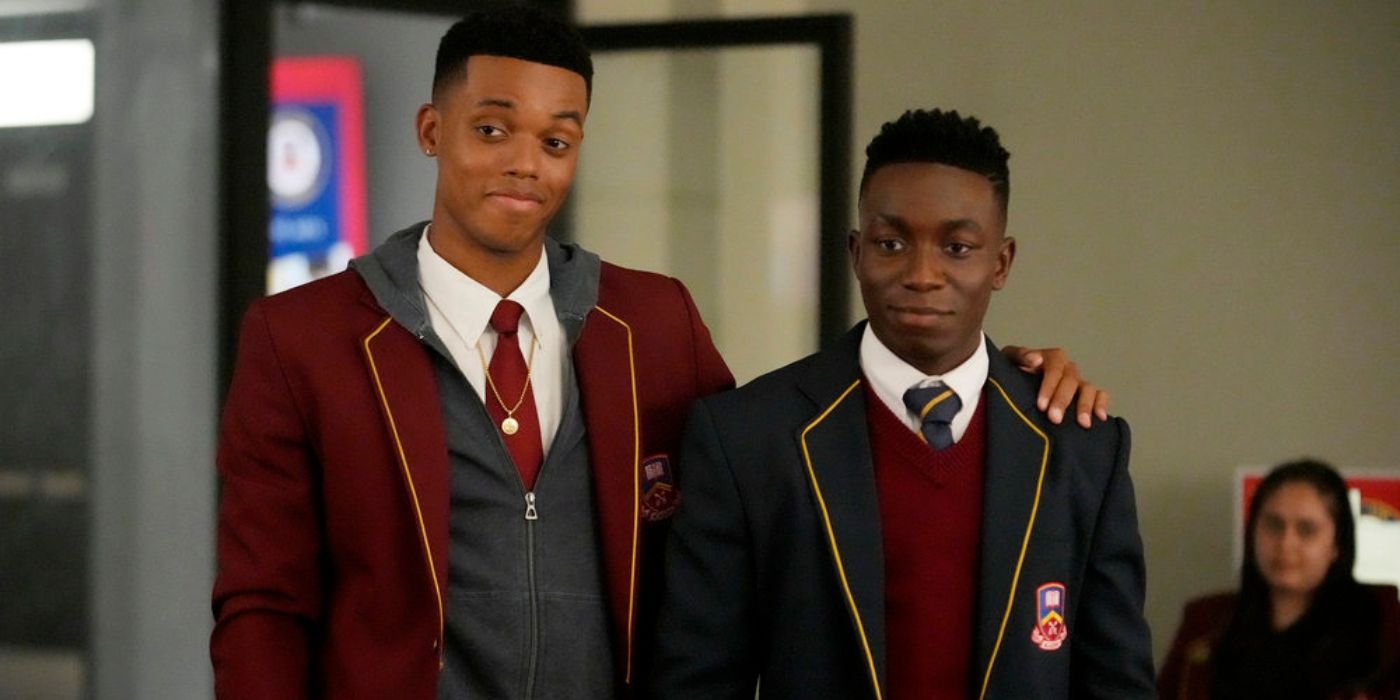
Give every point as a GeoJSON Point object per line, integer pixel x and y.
{"type": "Point", "coordinates": [246, 49]}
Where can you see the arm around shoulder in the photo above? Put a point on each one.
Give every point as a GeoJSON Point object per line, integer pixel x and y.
{"type": "Point", "coordinates": [712, 375]}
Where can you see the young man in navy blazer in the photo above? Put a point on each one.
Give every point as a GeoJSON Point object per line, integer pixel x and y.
{"type": "Point", "coordinates": [892, 517]}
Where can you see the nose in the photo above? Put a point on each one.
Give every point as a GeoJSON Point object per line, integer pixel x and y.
{"type": "Point", "coordinates": [925, 269]}
{"type": "Point", "coordinates": [524, 159]}
{"type": "Point", "coordinates": [1291, 538]}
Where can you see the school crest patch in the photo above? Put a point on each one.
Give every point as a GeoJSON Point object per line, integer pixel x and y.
{"type": "Point", "coordinates": [660, 496]}
{"type": "Point", "coordinates": [1050, 631]}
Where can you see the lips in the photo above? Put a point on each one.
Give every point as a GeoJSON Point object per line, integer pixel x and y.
{"type": "Point", "coordinates": [920, 311]}
{"type": "Point", "coordinates": [919, 315]}
{"type": "Point", "coordinates": [517, 199]}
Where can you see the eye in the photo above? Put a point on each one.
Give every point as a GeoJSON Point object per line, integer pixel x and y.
{"type": "Point", "coordinates": [890, 245]}
{"type": "Point", "coordinates": [556, 145]}
{"type": "Point", "coordinates": [1307, 529]}
{"type": "Point", "coordinates": [490, 131]}
{"type": "Point", "coordinates": [1271, 524]}
{"type": "Point", "coordinates": [958, 250]}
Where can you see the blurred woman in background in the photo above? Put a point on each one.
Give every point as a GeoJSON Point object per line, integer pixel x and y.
{"type": "Point", "coordinates": [1300, 625]}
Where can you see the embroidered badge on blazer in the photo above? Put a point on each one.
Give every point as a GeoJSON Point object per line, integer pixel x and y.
{"type": "Point", "coordinates": [1050, 631]}
{"type": "Point", "coordinates": [660, 496]}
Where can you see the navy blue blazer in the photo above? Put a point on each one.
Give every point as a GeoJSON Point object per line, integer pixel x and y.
{"type": "Point", "coordinates": [775, 570]}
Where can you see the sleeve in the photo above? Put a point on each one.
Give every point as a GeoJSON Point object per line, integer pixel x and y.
{"type": "Point", "coordinates": [712, 375]}
{"type": "Point", "coordinates": [704, 646]}
{"type": "Point", "coordinates": [267, 593]}
{"type": "Point", "coordinates": [1390, 639]}
{"type": "Point", "coordinates": [1169, 680]}
{"type": "Point", "coordinates": [1112, 650]}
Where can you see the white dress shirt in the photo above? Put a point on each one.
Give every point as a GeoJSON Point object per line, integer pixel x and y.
{"type": "Point", "coordinates": [890, 377]}
{"type": "Point", "coordinates": [460, 310]}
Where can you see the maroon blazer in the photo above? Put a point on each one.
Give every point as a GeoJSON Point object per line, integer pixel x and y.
{"type": "Point", "coordinates": [1186, 675]}
{"type": "Point", "coordinates": [333, 517]}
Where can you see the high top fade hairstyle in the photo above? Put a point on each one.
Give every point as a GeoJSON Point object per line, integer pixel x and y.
{"type": "Point", "coordinates": [948, 138]}
{"type": "Point", "coordinates": [511, 31]}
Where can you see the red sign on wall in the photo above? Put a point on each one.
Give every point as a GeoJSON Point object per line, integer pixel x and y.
{"type": "Point", "coordinates": [315, 168]}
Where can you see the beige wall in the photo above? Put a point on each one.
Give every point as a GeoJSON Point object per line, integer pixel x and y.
{"type": "Point", "coordinates": [1205, 202]}
{"type": "Point", "coordinates": [675, 177]}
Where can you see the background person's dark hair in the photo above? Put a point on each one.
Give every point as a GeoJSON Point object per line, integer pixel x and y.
{"type": "Point", "coordinates": [511, 31]}
{"type": "Point", "coordinates": [1342, 625]}
{"type": "Point", "coordinates": [935, 136]}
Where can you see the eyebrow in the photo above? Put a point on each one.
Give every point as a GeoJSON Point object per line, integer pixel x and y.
{"type": "Point", "coordinates": [569, 114]}
{"type": "Point", "coordinates": [899, 224]}
{"type": "Point", "coordinates": [895, 222]}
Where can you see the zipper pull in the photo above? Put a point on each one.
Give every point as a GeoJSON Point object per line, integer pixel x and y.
{"type": "Point", "coordinates": [530, 512]}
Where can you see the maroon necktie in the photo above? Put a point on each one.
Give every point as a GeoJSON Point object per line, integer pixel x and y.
{"type": "Point", "coordinates": [510, 402]}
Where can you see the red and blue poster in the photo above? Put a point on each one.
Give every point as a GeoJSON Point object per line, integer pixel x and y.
{"type": "Point", "coordinates": [315, 168]}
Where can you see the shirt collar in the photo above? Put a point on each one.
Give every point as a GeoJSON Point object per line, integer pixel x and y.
{"type": "Point", "coordinates": [468, 304]}
{"type": "Point", "coordinates": [891, 376]}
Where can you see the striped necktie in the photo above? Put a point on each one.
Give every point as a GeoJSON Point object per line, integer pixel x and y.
{"type": "Point", "coordinates": [935, 406]}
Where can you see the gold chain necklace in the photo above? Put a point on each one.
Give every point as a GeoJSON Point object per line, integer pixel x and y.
{"type": "Point", "coordinates": [510, 425]}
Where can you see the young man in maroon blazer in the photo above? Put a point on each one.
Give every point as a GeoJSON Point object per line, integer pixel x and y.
{"type": "Point", "coordinates": [445, 471]}
{"type": "Point", "coordinates": [891, 517]}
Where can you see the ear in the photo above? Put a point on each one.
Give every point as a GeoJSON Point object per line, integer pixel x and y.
{"type": "Point", "coordinates": [428, 125]}
{"type": "Point", "coordinates": [1005, 256]}
{"type": "Point", "coordinates": [853, 247]}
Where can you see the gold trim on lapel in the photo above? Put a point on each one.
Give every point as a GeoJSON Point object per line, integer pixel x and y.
{"type": "Point", "coordinates": [1025, 541]}
{"type": "Point", "coordinates": [408, 477]}
{"type": "Point", "coordinates": [636, 490]}
{"type": "Point", "coordinates": [831, 537]}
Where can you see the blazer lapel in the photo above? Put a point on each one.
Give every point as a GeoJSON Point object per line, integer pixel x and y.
{"type": "Point", "coordinates": [605, 369]}
{"type": "Point", "coordinates": [1018, 452]}
{"type": "Point", "coordinates": [402, 376]}
{"type": "Point", "coordinates": [834, 446]}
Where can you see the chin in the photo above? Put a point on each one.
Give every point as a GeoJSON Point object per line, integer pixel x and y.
{"type": "Point", "coordinates": [516, 243]}
{"type": "Point", "coordinates": [1292, 586]}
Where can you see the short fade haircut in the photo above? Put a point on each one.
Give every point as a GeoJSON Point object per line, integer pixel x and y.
{"type": "Point", "coordinates": [948, 138]}
{"type": "Point", "coordinates": [511, 31]}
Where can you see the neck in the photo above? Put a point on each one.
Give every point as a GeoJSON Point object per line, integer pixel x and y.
{"type": "Point", "coordinates": [1286, 607]}
{"type": "Point", "coordinates": [500, 271]}
{"type": "Point", "coordinates": [945, 363]}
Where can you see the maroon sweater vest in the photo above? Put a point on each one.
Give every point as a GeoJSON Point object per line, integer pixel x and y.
{"type": "Point", "coordinates": [931, 518]}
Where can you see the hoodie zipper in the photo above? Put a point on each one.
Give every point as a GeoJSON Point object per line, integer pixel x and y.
{"type": "Point", "coordinates": [532, 515]}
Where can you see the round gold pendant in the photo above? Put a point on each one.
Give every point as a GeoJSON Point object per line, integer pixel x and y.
{"type": "Point", "coordinates": [510, 425]}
